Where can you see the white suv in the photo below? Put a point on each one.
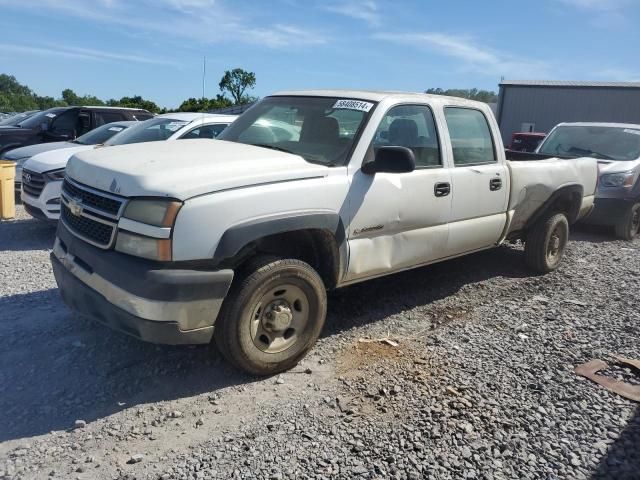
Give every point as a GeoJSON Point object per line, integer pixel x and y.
{"type": "Point", "coordinates": [43, 173]}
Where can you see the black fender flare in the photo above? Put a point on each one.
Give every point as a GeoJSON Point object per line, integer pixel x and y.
{"type": "Point", "coordinates": [571, 190]}
{"type": "Point", "coordinates": [238, 236]}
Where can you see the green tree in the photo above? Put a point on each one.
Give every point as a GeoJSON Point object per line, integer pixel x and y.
{"type": "Point", "coordinates": [134, 102]}
{"type": "Point", "coordinates": [472, 94]}
{"type": "Point", "coordinates": [236, 82]}
{"type": "Point", "coordinates": [71, 98]}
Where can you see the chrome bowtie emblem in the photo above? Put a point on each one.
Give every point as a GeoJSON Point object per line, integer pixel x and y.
{"type": "Point", "coordinates": [75, 206]}
{"type": "Point", "coordinates": [27, 177]}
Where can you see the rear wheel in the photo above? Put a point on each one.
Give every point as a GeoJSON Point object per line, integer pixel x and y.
{"type": "Point", "coordinates": [272, 317]}
{"type": "Point", "coordinates": [546, 242]}
{"type": "Point", "coordinates": [629, 227]}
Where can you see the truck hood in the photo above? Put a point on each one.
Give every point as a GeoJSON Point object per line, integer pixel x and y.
{"type": "Point", "coordinates": [183, 169]}
{"type": "Point", "coordinates": [54, 159]}
{"type": "Point", "coordinates": [31, 150]}
{"type": "Point", "coordinates": [617, 166]}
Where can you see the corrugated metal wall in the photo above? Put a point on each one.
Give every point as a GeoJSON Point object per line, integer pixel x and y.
{"type": "Point", "coordinates": [548, 106]}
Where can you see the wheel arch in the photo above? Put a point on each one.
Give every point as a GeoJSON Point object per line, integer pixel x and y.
{"type": "Point", "coordinates": [566, 199]}
{"type": "Point", "coordinates": [317, 237]}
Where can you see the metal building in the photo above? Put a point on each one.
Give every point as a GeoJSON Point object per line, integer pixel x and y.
{"type": "Point", "coordinates": [538, 106]}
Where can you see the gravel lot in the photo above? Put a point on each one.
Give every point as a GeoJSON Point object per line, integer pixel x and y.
{"type": "Point", "coordinates": [480, 383]}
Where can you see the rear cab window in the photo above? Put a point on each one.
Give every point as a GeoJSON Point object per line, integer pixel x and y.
{"type": "Point", "coordinates": [471, 138]}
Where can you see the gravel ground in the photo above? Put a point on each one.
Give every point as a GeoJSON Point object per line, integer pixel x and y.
{"type": "Point", "coordinates": [476, 382]}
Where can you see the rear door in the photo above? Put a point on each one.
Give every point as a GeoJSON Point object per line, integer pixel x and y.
{"type": "Point", "coordinates": [399, 220]}
{"type": "Point", "coordinates": [479, 181]}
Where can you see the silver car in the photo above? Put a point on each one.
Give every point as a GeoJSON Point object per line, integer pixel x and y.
{"type": "Point", "coordinates": [617, 148]}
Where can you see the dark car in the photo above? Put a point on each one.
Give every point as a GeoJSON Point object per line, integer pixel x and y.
{"type": "Point", "coordinates": [526, 141]}
{"type": "Point", "coordinates": [13, 120]}
{"type": "Point", "coordinates": [64, 123]}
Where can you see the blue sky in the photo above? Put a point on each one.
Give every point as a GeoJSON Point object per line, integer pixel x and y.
{"type": "Point", "coordinates": [154, 48]}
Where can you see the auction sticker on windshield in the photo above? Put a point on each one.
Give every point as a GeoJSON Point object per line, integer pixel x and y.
{"type": "Point", "coordinates": [116, 129]}
{"type": "Point", "coordinates": [50, 115]}
{"type": "Point", "coordinates": [353, 105]}
{"type": "Point", "coordinates": [629, 130]}
{"type": "Point", "coordinates": [174, 126]}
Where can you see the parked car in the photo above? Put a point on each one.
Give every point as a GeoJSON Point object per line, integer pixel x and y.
{"type": "Point", "coordinates": [163, 241]}
{"type": "Point", "coordinates": [14, 120]}
{"type": "Point", "coordinates": [43, 173]}
{"type": "Point", "coordinates": [63, 124]}
{"type": "Point", "coordinates": [41, 169]}
{"type": "Point", "coordinates": [526, 141]}
{"type": "Point", "coordinates": [617, 148]}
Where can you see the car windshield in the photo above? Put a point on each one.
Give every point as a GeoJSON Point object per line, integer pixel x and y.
{"type": "Point", "coordinates": [319, 129]}
{"type": "Point", "coordinates": [101, 134]}
{"type": "Point", "coordinates": [15, 119]}
{"type": "Point", "coordinates": [153, 130]}
{"type": "Point", "coordinates": [608, 143]}
{"type": "Point", "coordinates": [40, 118]}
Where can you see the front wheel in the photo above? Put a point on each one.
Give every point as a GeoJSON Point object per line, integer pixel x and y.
{"type": "Point", "coordinates": [546, 242]}
{"type": "Point", "coordinates": [272, 317]}
{"type": "Point", "coordinates": [629, 227]}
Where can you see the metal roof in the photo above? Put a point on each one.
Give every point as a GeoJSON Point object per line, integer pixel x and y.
{"type": "Point", "coordinates": [578, 83]}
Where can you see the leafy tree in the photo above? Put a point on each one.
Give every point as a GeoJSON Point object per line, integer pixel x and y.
{"type": "Point", "coordinates": [134, 102]}
{"type": "Point", "coordinates": [472, 94]}
{"type": "Point", "coordinates": [204, 104]}
{"type": "Point", "coordinates": [71, 98]}
{"type": "Point", "coordinates": [236, 82]}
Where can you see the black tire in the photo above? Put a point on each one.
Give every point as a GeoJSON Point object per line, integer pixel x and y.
{"type": "Point", "coordinates": [546, 242]}
{"type": "Point", "coordinates": [247, 304]}
{"type": "Point", "coordinates": [629, 227]}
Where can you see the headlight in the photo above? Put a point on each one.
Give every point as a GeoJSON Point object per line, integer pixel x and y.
{"type": "Point", "coordinates": [55, 174]}
{"type": "Point", "coordinates": [160, 213]}
{"type": "Point", "coordinates": [624, 179]}
{"type": "Point", "coordinates": [145, 247]}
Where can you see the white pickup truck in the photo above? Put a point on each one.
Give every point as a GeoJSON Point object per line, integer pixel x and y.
{"type": "Point", "coordinates": [238, 239]}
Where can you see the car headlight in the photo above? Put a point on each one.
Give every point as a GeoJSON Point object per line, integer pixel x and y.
{"type": "Point", "coordinates": [160, 213]}
{"type": "Point", "coordinates": [55, 174]}
{"type": "Point", "coordinates": [145, 247]}
{"type": "Point", "coordinates": [623, 179]}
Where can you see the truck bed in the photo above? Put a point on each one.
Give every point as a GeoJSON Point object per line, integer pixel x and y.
{"type": "Point", "coordinates": [533, 183]}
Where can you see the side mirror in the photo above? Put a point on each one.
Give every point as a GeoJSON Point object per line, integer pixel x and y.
{"type": "Point", "coordinates": [391, 160]}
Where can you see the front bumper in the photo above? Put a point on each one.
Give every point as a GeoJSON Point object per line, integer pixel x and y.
{"type": "Point", "coordinates": [47, 205]}
{"type": "Point", "coordinates": [608, 211]}
{"type": "Point", "coordinates": [148, 300]}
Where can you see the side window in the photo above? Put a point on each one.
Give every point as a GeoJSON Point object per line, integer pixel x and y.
{"type": "Point", "coordinates": [470, 136]}
{"type": "Point", "coordinates": [67, 122]}
{"type": "Point", "coordinates": [108, 117]}
{"type": "Point", "coordinates": [205, 131]}
{"type": "Point", "coordinates": [411, 126]}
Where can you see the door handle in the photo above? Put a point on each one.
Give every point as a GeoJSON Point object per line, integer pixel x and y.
{"type": "Point", "coordinates": [495, 184]}
{"type": "Point", "coordinates": [442, 189]}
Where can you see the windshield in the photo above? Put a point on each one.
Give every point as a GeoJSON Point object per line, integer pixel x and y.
{"type": "Point", "coordinates": [156, 129]}
{"type": "Point", "coordinates": [609, 143]}
{"type": "Point", "coordinates": [40, 118]}
{"type": "Point", "coordinates": [319, 129]}
{"type": "Point", "coordinates": [16, 119]}
{"type": "Point", "coordinates": [101, 134]}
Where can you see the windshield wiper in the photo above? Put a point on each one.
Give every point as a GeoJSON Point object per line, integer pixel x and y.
{"type": "Point", "coordinates": [272, 147]}
{"type": "Point", "coordinates": [591, 153]}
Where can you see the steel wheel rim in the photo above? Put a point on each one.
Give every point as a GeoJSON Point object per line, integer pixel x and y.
{"type": "Point", "coordinates": [554, 245]}
{"type": "Point", "coordinates": [279, 318]}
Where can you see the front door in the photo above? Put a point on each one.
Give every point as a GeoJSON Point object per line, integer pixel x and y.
{"type": "Point", "coordinates": [480, 183]}
{"type": "Point", "coordinates": [398, 220]}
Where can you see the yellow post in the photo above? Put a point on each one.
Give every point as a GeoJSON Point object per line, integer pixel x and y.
{"type": "Point", "coordinates": [7, 195]}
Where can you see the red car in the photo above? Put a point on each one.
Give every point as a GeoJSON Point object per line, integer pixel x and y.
{"type": "Point", "coordinates": [526, 141]}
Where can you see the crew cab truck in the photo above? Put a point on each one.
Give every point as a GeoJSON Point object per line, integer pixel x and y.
{"type": "Point", "coordinates": [238, 239]}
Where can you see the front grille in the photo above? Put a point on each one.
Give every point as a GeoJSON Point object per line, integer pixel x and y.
{"type": "Point", "coordinates": [90, 214]}
{"type": "Point", "coordinates": [33, 183]}
{"type": "Point", "coordinates": [96, 232]}
{"type": "Point", "coordinates": [92, 199]}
